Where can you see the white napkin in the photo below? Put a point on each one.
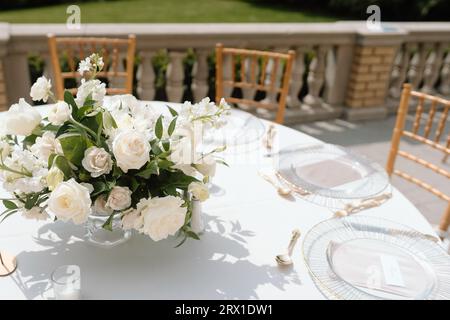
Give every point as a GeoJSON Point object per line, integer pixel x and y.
{"type": "Point", "coordinates": [381, 268]}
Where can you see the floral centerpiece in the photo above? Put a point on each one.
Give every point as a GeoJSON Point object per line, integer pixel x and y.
{"type": "Point", "coordinates": [123, 161]}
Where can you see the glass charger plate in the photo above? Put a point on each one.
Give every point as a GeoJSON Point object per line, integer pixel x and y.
{"type": "Point", "coordinates": [241, 128]}
{"type": "Point", "coordinates": [361, 257]}
{"type": "Point", "coordinates": [331, 171]}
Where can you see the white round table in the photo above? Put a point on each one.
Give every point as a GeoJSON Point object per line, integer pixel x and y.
{"type": "Point", "coordinates": [247, 224]}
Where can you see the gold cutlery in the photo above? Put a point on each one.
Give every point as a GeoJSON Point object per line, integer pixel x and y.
{"type": "Point", "coordinates": [282, 191]}
{"type": "Point", "coordinates": [351, 208]}
{"type": "Point", "coordinates": [270, 136]}
{"type": "Point", "coordinates": [285, 258]}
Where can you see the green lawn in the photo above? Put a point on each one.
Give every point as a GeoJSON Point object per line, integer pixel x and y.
{"type": "Point", "coordinates": [123, 11]}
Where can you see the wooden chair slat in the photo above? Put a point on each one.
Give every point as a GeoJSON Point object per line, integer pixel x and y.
{"type": "Point", "coordinates": [76, 48]}
{"type": "Point", "coordinates": [250, 80]}
{"type": "Point", "coordinates": [400, 132]}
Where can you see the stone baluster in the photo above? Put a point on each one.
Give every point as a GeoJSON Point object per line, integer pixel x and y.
{"type": "Point", "coordinates": [227, 74]}
{"type": "Point", "coordinates": [271, 97]}
{"type": "Point", "coordinates": [416, 66]}
{"type": "Point", "coordinates": [316, 78]}
{"type": "Point", "coordinates": [200, 75]}
{"type": "Point", "coordinates": [18, 82]}
{"type": "Point", "coordinates": [175, 76]}
{"type": "Point", "coordinates": [296, 84]}
{"type": "Point", "coordinates": [249, 93]}
{"type": "Point", "coordinates": [146, 77]}
{"type": "Point", "coordinates": [48, 68]}
{"type": "Point", "coordinates": [432, 67]}
{"type": "Point", "coordinates": [118, 82]}
{"type": "Point", "coordinates": [444, 88]}
{"type": "Point", "coordinates": [399, 70]}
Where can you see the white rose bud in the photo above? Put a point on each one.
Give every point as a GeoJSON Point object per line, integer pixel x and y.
{"type": "Point", "coordinates": [132, 220]}
{"type": "Point", "coordinates": [207, 167]}
{"type": "Point", "coordinates": [101, 207]}
{"type": "Point", "coordinates": [59, 113]}
{"type": "Point", "coordinates": [54, 177]}
{"type": "Point", "coordinates": [21, 119]}
{"type": "Point", "coordinates": [97, 161]}
{"type": "Point", "coordinates": [161, 216]}
{"type": "Point", "coordinates": [131, 150]}
{"type": "Point", "coordinates": [119, 198]}
{"type": "Point", "coordinates": [70, 201]}
{"type": "Point", "coordinates": [34, 213]}
{"type": "Point", "coordinates": [199, 190]}
{"type": "Point", "coordinates": [41, 89]}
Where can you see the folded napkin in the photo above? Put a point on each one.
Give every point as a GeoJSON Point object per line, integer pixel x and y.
{"type": "Point", "coordinates": [328, 173]}
{"type": "Point", "coordinates": [384, 268]}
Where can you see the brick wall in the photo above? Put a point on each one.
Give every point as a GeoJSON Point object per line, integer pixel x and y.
{"type": "Point", "coordinates": [370, 74]}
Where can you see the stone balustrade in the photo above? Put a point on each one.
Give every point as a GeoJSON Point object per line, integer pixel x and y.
{"type": "Point", "coordinates": [340, 69]}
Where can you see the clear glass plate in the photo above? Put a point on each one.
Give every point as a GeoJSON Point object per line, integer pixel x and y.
{"type": "Point", "coordinates": [331, 171]}
{"type": "Point", "coordinates": [241, 128]}
{"type": "Point", "coordinates": [361, 257]}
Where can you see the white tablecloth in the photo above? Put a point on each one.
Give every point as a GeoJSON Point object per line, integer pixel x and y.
{"type": "Point", "coordinates": [247, 225]}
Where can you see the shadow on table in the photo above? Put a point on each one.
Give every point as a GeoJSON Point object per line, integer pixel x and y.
{"type": "Point", "coordinates": [214, 268]}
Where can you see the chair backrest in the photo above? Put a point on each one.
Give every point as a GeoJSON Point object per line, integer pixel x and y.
{"type": "Point", "coordinates": [427, 130]}
{"type": "Point", "coordinates": [112, 50]}
{"type": "Point", "coordinates": [268, 80]}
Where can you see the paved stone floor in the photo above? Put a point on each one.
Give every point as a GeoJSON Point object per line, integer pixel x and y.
{"type": "Point", "coordinates": [372, 139]}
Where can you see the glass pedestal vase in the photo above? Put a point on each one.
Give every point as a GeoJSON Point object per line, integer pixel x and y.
{"type": "Point", "coordinates": [101, 237]}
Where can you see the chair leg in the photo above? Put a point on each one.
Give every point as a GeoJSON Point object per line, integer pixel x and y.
{"type": "Point", "coordinates": [445, 221]}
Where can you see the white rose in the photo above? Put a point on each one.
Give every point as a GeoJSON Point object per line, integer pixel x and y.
{"type": "Point", "coordinates": [41, 89]}
{"type": "Point", "coordinates": [95, 88]}
{"type": "Point", "coordinates": [131, 150]}
{"type": "Point", "coordinates": [84, 65]}
{"type": "Point", "coordinates": [21, 119]}
{"type": "Point", "coordinates": [5, 149]}
{"type": "Point", "coordinates": [207, 167]}
{"type": "Point", "coordinates": [34, 213]}
{"type": "Point", "coordinates": [97, 161]}
{"type": "Point", "coordinates": [199, 190]}
{"type": "Point", "coordinates": [70, 200]}
{"type": "Point", "coordinates": [101, 207]}
{"type": "Point", "coordinates": [119, 198]}
{"type": "Point", "coordinates": [132, 220]}
{"type": "Point", "coordinates": [54, 177]}
{"type": "Point", "coordinates": [161, 216]}
{"type": "Point", "coordinates": [46, 145]}
{"type": "Point", "coordinates": [59, 113]}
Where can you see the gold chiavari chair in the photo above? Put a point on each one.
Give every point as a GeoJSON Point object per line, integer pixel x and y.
{"type": "Point", "coordinates": [75, 49]}
{"type": "Point", "coordinates": [249, 79]}
{"type": "Point", "coordinates": [426, 135]}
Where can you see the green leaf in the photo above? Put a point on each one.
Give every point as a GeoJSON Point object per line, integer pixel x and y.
{"type": "Point", "coordinates": [222, 162]}
{"type": "Point", "coordinates": [31, 201]}
{"type": "Point", "coordinates": [108, 223]}
{"type": "Point", "coordinates": [172, 111]}
{"type": "Point", "coordinates": [159, 128]}
{"type": "Point", "coordinates": [108, 121]}
{"type": "Point", "coordinates": [68, 98]}
{"type": "Point", "coordinates": [164, 164]}
{"type": "Point", "coordinates": [51, 127]}
{"type": "Point", "coordinates": [182, 241]}
{"type": "Point", "coordinates": [172, 126]}
{"type": "Point", "coordinates": [63, 129]}
{"type": "Point", "coordinates": [150, 168]}
{"type": "Point", "coordinates": [73, 146]}
{"type": "Point", "coordinates": [84, 110]}
{"type": "Point", "coordinates": [64, 166]}
{"type": "Point", "coordinates": [9, 204]}
{"type": "Point", "coordinates": [166, 145]}
{"type": "Point", "coordinates": [134, 184]}
{"type": "Point", "coordinates": [192, 234]}
{"type": "Point", "coordinates": [29, 140]}
{"type": "Point", "coordinates": [99, 187]}
{"type": "Point", "coordinates": [156, 149]}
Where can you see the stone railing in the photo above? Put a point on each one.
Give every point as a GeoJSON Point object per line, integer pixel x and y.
{"type": "Point", "coordinates": [341, 69]}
